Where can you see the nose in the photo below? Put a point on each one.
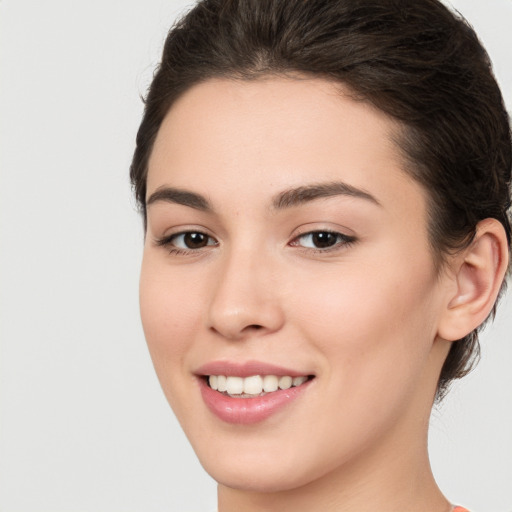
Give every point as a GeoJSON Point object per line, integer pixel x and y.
{"type": "Point", "coordinates": [245, 299]}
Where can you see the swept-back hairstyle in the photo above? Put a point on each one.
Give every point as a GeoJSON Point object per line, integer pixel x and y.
{"type": "Point", "coordinates": [415, 60]}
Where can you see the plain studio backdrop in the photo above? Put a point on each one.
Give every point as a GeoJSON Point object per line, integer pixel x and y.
{"type": "Point", "coordinates": [84, 424]}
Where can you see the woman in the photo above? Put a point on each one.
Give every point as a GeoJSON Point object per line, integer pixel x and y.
{"type": "Point", "coordinates": [325, 188]}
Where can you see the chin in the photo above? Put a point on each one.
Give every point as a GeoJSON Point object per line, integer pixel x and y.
{"type": "Point", "coordinates": [265, 479]}
{"type": "Point", "coordinates": [263, 470]}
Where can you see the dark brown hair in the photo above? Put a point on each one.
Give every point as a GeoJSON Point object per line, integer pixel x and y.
{"type": "Point", "coordinates": [413, 59]}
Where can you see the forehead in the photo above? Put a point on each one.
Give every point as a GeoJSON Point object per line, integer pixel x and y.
{"type": "Point", "coordinates": [240, 138]}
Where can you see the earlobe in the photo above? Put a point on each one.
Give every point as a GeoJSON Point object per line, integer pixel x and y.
{"type": "Point", "coordinates": [478, 274]}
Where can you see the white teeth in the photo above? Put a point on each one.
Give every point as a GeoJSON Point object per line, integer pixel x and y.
{"type": "Point", "coordinates": [297, 381]}
{"type": "Point", "coordinates": [213, 379]}
{"type": "Point", "coordinates": [285, 382]}
{"type": "Point", "coordinates": [221, 383]}
{"type": "Point", "coordinates": [234, 385]}
{"type": "Point", "coordinates": [254, 385]}
{"type": "Point", "coordinates": [270, 383]}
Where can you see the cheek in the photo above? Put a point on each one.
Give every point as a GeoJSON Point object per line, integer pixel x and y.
{"type": "Point", "coordinates": [374, 334]}
{"type": "Point", "coordinates": [169, 305]}
{"type": "Point", "coordinates": [373, 324]}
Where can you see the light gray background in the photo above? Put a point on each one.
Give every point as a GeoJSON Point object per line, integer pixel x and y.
{"type": "Point", "coordinates": [84, 425]}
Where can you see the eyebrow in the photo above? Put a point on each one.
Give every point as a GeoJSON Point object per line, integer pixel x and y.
{"type": "Point", "coordinates": [301, 195]}
{"type": "Point", "coordinates": [178, 196]}
{"type": "Point", "coordinates": [286, 199]}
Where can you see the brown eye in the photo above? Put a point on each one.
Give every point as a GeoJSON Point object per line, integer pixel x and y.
{"type": "Point", "coordinates": [189, 240]}
{"type": "Point", "coordinates": [322, 240]}
{"type": "Point", "coordinates": [195, 240]}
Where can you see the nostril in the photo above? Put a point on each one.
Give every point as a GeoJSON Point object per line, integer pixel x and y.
{"type": "Point", "coordinates": [254, 326]}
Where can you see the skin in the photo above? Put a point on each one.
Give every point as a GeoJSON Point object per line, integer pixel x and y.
{"type": "Point", "coordinates": [363, 317]}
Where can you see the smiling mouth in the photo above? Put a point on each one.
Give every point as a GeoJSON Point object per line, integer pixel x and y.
{"type": "Point", "coordinates": [253, 386]}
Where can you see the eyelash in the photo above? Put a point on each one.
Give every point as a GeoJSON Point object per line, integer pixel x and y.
{"type": "Point", "coordinates": [342, 241]}
{"type": "Point", "coordinates": [179, 251]}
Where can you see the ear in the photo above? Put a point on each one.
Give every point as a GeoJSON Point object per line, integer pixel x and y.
{"type": "Point", "coordinates": [478, 273]}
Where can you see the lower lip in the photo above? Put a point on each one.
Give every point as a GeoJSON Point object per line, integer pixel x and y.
{"type": "Point", "coordinates": [248, 410]}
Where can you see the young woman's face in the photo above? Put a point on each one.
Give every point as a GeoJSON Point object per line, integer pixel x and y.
{"type": "Point", "coordinates": [285, 240]}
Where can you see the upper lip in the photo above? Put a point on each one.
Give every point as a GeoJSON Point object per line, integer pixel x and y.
{"type": "Point", "coordinates": [246, 369]}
